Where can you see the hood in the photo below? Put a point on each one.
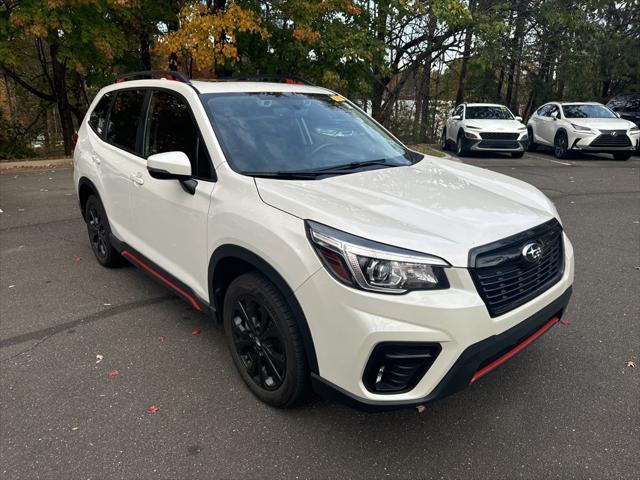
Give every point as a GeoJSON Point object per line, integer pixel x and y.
{"type": "Point", "coordinates": [496, 125]}
{"type": "Point", "coordinates": [603, 123]}
{"type": "Point", "coordinates": [436, 206]}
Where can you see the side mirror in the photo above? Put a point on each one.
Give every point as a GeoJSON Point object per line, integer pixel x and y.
{"type": "Point", "coordinates": [456, 117]}
{"type": "Point", "coordinates": [518, 118]}
{"type": "Point", "coordinates": [172, 166]}
{"type": "Point", "coordinates": [616, 114]}
{"type": "Point", "coordinates": [554, 115]}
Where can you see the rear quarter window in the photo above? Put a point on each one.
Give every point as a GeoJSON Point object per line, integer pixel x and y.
{"type": "Point", "coordinates": [124, 119]}
{"type": "Point", "coordinates": [98, 117]}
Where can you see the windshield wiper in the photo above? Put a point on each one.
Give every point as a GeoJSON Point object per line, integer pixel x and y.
{"type": "Point", "coordinates": [302, 175]}
{"type": "Point", "coordinates": [354, 165]}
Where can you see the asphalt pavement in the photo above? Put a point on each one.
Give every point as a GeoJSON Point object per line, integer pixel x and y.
{"type": "Point", "coordinates": [566, 407]}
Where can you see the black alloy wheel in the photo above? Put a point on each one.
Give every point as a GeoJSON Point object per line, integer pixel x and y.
{"type": "Point", "coordinates": [264, 340]}
{"type": "Point", "coordinates": [258, 342]}
{"type": "Point", "coordinates": [99, 233]}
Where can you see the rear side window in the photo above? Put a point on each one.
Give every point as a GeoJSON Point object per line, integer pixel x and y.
{"type": "Point", "coordinates": [170, 128]}
{"type": "Point", "coordinates": [125, 118]}
{"type": "Point", "coordinates": [98, 117]}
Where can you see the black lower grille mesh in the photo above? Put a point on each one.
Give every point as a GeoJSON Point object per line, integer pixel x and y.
{"type": "Point", "coordinates": [499, 136]}
{"type": "Point", "coordinates": [612, 138]}
{"type": "Point", "coordinates": [505, 279]}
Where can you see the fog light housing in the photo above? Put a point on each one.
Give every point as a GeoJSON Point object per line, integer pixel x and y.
{"type": "Point", "coordinates": [398, 367]}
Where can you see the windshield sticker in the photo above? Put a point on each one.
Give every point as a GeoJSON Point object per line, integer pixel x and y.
{"type": "Point", "coordinates": [338, 98]}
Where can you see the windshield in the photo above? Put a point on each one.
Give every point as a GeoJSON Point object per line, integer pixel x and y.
{"type": "Point", "coordinates": [587, 111]}
{"type": "Point", "coordinates": [291, 132]}
{"type": "Point", "coordinates": [488, 113]}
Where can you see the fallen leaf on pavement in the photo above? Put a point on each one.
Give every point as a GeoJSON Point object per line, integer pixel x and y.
{"type": "Point", "coordinates": [99, 358]}
{"type": "Point", "coordinates": [197, 331]}
{"type": "Point", "coordinates": [152, 409]}
{"type": "Point", "coordinates": [11, 286]}
{"type": "Point", "coordinates": [421, 408]}
{"type": "Point", "coordinates": [77, 258]}
{"type": "Point", "coordinates": [565, 322]}
{"type": "Point", "coordinates": [631, 364]}
{"type": "Point", "coordinates": [161, 339]}
{"type": "Point", "coordinates": [113, 373]}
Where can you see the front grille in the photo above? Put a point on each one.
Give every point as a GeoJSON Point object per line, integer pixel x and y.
{"type": "Point", "coordinates": [498, 144]}
{"type": "Point", "coordinates": [499, 136]}
{"type": "Point", "coordinates": [505, 279]}
{"type": "Point", "coordinates": [612, 138]}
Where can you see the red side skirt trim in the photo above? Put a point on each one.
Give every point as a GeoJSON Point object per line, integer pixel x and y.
{"type": "Point", "coordinates": [500, 360]}
{"type": "Point", "coordinates": [131, 256]}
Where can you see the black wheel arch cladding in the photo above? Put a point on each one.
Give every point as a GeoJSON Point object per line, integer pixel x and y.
{"type": "Point", "coordinates": [217, 286]}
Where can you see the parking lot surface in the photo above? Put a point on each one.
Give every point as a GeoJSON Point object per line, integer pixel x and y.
{"type": "Point", "coordinates": [566, 407]}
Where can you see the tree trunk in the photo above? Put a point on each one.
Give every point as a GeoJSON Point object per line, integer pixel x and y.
{"type": "Point", "coordinates": [62, 100]}
{"type": "Point", "coordinates": [514, 63]}
{"type": "Point", "coordinates": [145, 50]}
{"type": "Point", "coordinates": [500, 82]}
{"type": "Point", "coordinates": [466, 53]}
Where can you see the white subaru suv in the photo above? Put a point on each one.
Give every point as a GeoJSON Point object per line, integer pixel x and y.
{"type": "Point", "coordinates": [335, 257]}
{"type": "Point", "coordinates": [584, 126]}
{"type": "Point", "coordinates": [484, 127]}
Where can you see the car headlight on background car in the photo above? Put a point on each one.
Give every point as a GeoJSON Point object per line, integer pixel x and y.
{"type": "Point", "coordinates": [634, 130]}
{"type": "Point", "coordinates": [580, 128]}
{"type": "Point", "coordinates": [373, 266]}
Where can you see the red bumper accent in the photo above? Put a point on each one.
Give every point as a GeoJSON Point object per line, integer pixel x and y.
{"type": "Point", "coordinates": [500, 360]}
{"type": "Point", "coordinates": [131, 256]}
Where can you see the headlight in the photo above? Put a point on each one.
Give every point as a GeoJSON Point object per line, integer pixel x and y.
{"type": "Point", "coordinates": [373, 266]}
{"type": "Point", "coordinates": [635, 129]}
{"type": "Point", "coordinates": [580, 128]}
{"type": "Point", "coordinates": [472, 135]}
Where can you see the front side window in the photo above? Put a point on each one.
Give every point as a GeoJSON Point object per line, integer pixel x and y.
{"type": "Point", "coordinates": [587, 111]}
{"type": "Point", "coordinates": [459, 110]}
{"type": "Point", "coordinates": [291, 132]}
{"type": "Point", "coordinates": [488, 113]}
{"type": "Point", "coordinates": [544, 111]}
{"type": "Point", "coordinates": [170, 128]}
{"type": "Point", "coordinates": [98, 117]}
{"type": "Point", "coordinates": [124, 119]}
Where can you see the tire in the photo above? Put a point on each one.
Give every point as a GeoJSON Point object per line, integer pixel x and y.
{"type": "Point", "coordinates": [461, 147]}
{"type": "Point", "coordinates": [531, 146]}
{"type": "Point", "coordinates": [264, 341]}
{"type": "Point", "coordinates": [99, 232]}
{"type": "Point", "coordinates": [444, 144]}
{"type": "Point", "coordinates": [517, 154]}
{"type": "Point", "coordinates": [561, 145]}
{"type": "Point", "coordinates": [622, 155]}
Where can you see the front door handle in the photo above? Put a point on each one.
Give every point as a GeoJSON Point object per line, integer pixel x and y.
{"type": "Point", "coordinates": [137, 179]}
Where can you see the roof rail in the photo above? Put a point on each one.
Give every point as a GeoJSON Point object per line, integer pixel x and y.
{"type": "Point", "coordinates": [150, 74]}
{"type": "Point", "coordinates": [291, 79]}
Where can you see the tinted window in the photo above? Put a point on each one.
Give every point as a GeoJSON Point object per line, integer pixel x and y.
{"type": "Point", "coordinates": [552, 109]}
{"type": "Point", "coordinates": [587, 111]}
{"type": "Point", "coordinates": [287, 131]}
{"type": "Point", "coordinates": [458, 111]}
{"type": "Point", "coordinates": [488, 113]}
{"type": "Point", "coordinates": [125, 118]}
{"type": "Point", "coordinates": [633, 105]}
{"type": "Point", "coordinates": [98, 117]}
{"type": "Point", "coordinates": [170, 128]}
{"type": "Point", "coordinates": [546, 110]}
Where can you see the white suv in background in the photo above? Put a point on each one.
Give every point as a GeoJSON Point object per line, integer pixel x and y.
{"type": "Point", "coordinates": [333, 255]}
{"type": "Point", "coordinates": [484, 127]}
{"type": "Point", "coordinates": [582, 126]}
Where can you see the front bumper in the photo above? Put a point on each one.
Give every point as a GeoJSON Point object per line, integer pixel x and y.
{"type": "Point", "coordinates": [347, 324]}
{"type": "Point", "coordinates": [603, 142]}
{"type": "Point", "coordinates": [518, 144]}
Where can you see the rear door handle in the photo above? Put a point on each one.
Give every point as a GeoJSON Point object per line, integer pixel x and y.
{"type": "Point", "coordinates": [96, 159]}
{"type": "Point", "coordinates": [137, 179]}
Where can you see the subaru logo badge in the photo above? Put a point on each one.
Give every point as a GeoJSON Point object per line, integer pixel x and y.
{"type": "Point", "coordinates": [532, 252]}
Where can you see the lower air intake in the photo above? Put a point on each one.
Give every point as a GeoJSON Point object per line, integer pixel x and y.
{"type": "Point", "coordinates": [398, 367]}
